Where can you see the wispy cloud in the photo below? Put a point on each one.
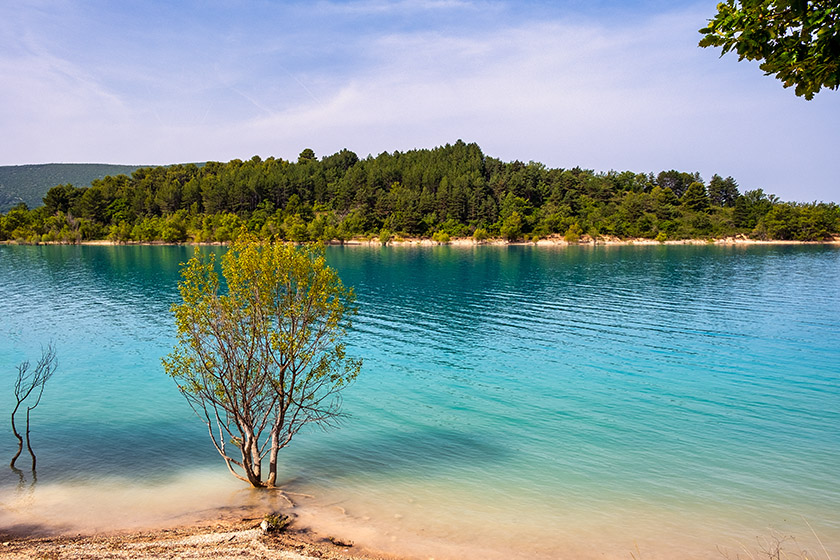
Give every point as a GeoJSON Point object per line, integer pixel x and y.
{"type": "Point", "coordinates": [571, 94]}
{"type": "Point", "coordinates": [374, 76]}
{"type": "Point", "coordinates": [402, 6]}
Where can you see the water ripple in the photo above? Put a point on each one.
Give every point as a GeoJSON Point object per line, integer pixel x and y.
{"type": "Point", "coordinates": [603, 382]}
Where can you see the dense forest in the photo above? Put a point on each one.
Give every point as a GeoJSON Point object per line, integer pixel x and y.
{"type": "Point", "coordinates": [450, 191]}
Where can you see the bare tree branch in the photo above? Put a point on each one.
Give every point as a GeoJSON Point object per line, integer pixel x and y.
{"type": "Point", "coordinates": [30, 383]}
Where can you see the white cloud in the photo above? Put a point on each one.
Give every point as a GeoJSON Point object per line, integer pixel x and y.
{"type": "Point", "coordinates": [639, 96]}
{"type": "Point", "coordinates": [379, 7]}
{"type": "Point", "coordinates": [552, 82]}
{"type": "Point", "coordinates": [643, 98]}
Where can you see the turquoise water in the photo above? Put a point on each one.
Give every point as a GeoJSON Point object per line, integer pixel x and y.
{"type": "Point", "coordinates": [541, 402]}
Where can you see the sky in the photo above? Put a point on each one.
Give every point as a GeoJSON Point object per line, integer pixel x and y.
{"type": "Point", "coordinates": [599, 84]}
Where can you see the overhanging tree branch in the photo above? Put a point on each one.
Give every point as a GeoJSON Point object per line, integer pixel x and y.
{"type": "Point", "coordinates": [797, 40]}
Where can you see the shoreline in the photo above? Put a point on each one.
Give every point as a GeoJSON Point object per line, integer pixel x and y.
{"type": "Point", "coordinates": [229, 534]}
{"type": "Point", "coordinates": [236, 532]}
{"type": "Point", "coordinates": [551, 241]}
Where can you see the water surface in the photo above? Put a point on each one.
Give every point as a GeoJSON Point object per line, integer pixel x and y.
{"type": "Point", "coordinates": [545, 402]}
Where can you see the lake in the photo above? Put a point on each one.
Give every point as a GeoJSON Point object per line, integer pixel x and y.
{"type": "Point", "coordinates": [515, 402]}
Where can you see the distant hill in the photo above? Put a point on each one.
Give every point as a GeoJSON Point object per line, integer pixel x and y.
{"type": "Point", "coordinates": [29, 183]}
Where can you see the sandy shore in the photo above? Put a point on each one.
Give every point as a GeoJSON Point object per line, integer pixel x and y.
{"type": "Point", "coordinates": [227, 537]}
{"type": "Point", "coordinates": [585, 240]}
{"type": "Point", "coordinates": [551, 241]}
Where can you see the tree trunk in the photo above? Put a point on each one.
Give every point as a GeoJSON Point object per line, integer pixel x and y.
{"type": "Point", "coordinates": [18, 436]}
{"type": "Point", "coordinates": [256, 460]}
{"type": "Point", "coordinates": [272, 459]}
{"type": "Point", "coordinates": [252, 469]}
{"type": "Point", "coordinates": [28, 443]}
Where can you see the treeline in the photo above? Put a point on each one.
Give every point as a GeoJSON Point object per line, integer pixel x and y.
{"type": "Point", "coordinates": [28, 183]}
{"type": "Point", "coordinates": [450, 191]}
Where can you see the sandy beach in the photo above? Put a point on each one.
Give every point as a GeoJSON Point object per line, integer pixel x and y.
{"type": "Point", "coordinates": [232, 535]}
{"type": "Point", "coordinates": [551, 241]}
{"type": "Point", "coordinates": [585, 240]}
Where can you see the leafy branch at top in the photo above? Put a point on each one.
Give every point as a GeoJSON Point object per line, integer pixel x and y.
{"type": "Point", "coordinates": [797, 40]}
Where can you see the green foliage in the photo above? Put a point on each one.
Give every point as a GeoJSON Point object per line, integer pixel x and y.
{"type": "Point", "coordinates": [265, 358]}
{"type": "Point", "coordinates": [61, 198]}
{"type": "Point", "coordinates": [677, 181]}
{"type": "Point", "coordinates": [723, 192]}
{"type": "Point", "coordinates": [306, 156]}
{"type": "Point", "coordinates": [573, 234]}
{"type": "Point", "coordinates": [797, 40]}
{"type": "Point", "coordinates": [511, 228]}
{"type": "Point", "coordinates": [149, 229]}
{"type": "Point", "coordinates": [441, 237]}
{"type": "Point", "coordinates": [751, 207]}
{"type": "Point", "coordinates": [454, 190]}
{"type": "Point", "coordinates": [275, 522]}
{"type": "Point", "coordinates": [480, 234]}
{"type": "Point", "coordinates": [174, 228]}
{"type": "Point", "coordinates": [120, 232]}
{"type": "Point", "coordinates": [514, 204]}
{"type": "Point", "coordinates": [294, 229]}
{"type": "Point", "coordinates": [695, 197]}
{"type": "Point", "coordinates": [384, 236]}
{"type": "Point", "coordinates": [801, 222]}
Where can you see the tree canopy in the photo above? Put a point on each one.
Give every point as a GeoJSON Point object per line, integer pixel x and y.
{"type": "Point", "coordinates": [267, 357]}
{"type": "Point", "coordinates": [797, 40]}
{"type": "Point", "coordinates": [449, 191]}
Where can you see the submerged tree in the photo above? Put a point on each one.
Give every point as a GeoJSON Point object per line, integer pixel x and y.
{"type": "Point", "coordinates": [31, 383]}
{"type": "Point", "coordinates": [266, 358]}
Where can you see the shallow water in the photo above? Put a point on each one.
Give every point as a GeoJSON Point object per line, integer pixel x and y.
{"type": "Point", "coordinates": [577, 402]}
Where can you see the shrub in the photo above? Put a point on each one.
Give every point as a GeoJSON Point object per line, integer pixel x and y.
{"type": "Point", "coordinates": [275, 523]}
{"type": "Point", "coordinates": [384, 236]}
{"type": "Point", "coordinates": [573, 233]}
{"type": "Point", "coordinates": [512, 227]}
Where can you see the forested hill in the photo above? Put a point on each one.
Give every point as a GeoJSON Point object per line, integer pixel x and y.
{"type": "Point", "coordinates": [450, 191]}
{"type": "Point", "coordinates": [29, 183]}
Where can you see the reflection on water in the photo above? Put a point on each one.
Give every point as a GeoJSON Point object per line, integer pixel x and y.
{"type": "Point", "coordinates": [559, 402]}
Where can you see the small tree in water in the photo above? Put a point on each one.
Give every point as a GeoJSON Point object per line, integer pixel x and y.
{"type": "Point", "coordinates": [266, 358]}
{"type": "Point", "coordinates": [30, 383]}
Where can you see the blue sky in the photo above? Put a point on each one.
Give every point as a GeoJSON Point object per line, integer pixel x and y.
{"type": "Point", "coordinates": [598, 84]}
